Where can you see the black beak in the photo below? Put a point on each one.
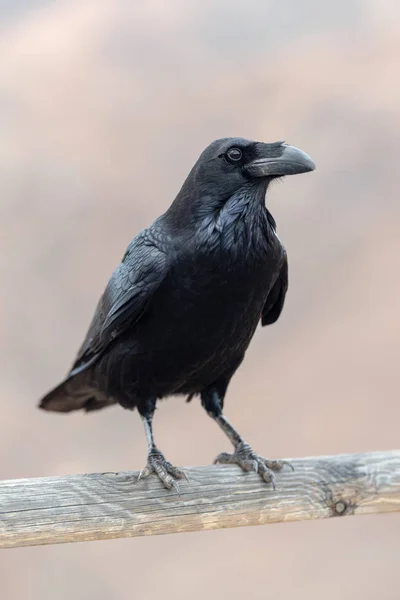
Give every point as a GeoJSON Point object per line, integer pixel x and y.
{"type": "Point", "coordinates": [280, 160]}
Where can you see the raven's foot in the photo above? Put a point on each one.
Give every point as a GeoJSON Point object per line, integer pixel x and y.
{"type": "Point", "coordinates": [248, 460]}
{"type": "Point", "coordinates": [158, 465]}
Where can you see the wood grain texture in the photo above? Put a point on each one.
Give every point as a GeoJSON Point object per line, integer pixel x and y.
{"type": "Point", "coordinates": [80, 508]}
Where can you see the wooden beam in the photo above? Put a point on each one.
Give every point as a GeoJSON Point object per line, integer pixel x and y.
{"type": "Point", "coordinates": [102, 506]}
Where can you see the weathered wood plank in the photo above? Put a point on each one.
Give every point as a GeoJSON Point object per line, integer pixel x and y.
{"type": "Point", "coordinates": [112, 505]}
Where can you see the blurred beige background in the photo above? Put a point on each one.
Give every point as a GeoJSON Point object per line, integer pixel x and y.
{"type": "Point", "coordinates": [104, 107]}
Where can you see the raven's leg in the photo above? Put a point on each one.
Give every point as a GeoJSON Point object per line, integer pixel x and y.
{"type": "Point", "coordinates": [244, 455]}
{"type": "Point", "coordinates": [156, 461]}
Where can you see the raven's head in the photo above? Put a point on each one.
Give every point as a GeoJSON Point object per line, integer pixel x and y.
{"type": "Point", "coordinates": [230, 166]}
{"type": "Point", "coordinates": [233, 161]}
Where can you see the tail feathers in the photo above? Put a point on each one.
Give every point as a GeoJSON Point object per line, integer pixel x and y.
{"type": "Point", "coordinates": [73, 394]}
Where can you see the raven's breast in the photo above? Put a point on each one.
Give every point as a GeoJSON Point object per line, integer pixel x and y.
{"type": "Point", "coordinates": [197, 327]}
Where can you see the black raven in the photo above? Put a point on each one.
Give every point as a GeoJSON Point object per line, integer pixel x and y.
{"type": "Point", "coordinates": [180, 310]}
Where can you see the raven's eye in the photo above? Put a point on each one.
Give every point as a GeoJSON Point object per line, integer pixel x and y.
{"type": "Point", "coordinates": [234, 154]}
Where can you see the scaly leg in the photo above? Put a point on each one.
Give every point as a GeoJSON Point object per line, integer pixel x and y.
{"type": "Point", "coordinates": [156, 461]}
{"type": "Point", "coordinates": [244, 455]}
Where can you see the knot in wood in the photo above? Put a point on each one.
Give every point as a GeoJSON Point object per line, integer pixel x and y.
{"type": "Point", "coordinates": [340, 507]}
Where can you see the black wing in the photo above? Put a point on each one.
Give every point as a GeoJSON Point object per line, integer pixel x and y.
{"type": "Point", "coordinates": [276, 298]}
{"type": "Point", "coordinates": [126, 296]}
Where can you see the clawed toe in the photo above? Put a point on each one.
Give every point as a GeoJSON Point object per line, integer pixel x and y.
{"type": "Point", "coordinates": [277, 465]}
{"type": "Point", "coordinates": [165, 471]}
{"type": "Point", "coordinates": [248, 460]}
